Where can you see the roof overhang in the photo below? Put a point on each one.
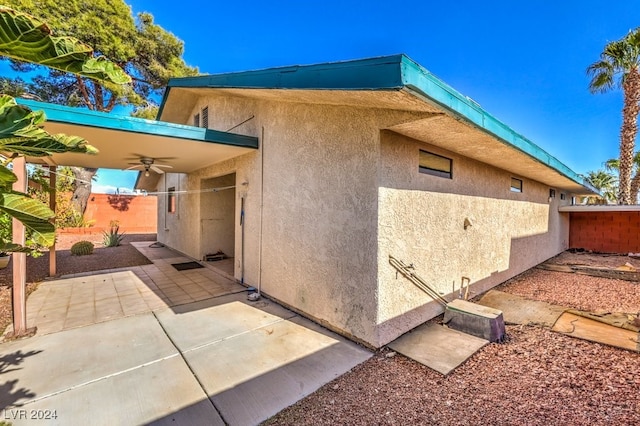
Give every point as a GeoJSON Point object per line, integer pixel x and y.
{"type": "Point", "coordinates": [594, 208]}
{"type": "Point", "coordinates": [441, 116]}
{"type": "Point", "coordinates": [120, 139]}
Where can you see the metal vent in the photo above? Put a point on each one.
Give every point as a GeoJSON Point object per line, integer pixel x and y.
{"type": "Point", "coordinates": [205, 117]}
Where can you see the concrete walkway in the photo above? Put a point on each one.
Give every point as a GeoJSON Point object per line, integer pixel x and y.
{"type": "Point", "coordinates": [220, 359]}
{"type": "Point", "coordinates": [88, 298]}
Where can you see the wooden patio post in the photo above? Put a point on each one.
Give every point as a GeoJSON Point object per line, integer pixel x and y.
{"type": "Point", "coordinates": [19, 259]}
{"type": "Point", "coordinates": [52, 206]}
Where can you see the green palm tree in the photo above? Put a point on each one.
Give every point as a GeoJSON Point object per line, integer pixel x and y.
{"type": "Point", "coordinates": [606, 184]}
{"type": "Point", "coordinates": [619, 65]}
{"type": "Point", "coordinates": [613, 165]}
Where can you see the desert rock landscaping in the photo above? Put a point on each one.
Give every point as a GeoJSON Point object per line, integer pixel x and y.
{"type": "Point", "coordinates": [537, 377]}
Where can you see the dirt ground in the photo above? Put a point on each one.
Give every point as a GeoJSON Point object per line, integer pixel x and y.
{"type": "Point", "coordinates": [102, 258]}
{"type": "Point", "coordinates": [537, 377]}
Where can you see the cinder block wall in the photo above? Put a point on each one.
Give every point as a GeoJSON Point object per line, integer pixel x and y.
{"type": "Point", "coordinates": [606, 232]}
{"type": "Point", "coordinates": [134, 214]}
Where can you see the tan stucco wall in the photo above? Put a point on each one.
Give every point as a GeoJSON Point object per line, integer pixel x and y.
{"type": "Point", "coordinates": [421, 221]}
{"type": "Point", "coordinates": [183, 230]}
{"type": "Point", "coordinates": [339, 196]}
{"type": "Point", "coordinates": [217, 215]}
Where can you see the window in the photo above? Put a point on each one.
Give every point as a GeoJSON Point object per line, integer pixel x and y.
{"type": "Point", "coordinates": [171, 200]}
{"type": "Point", "coordinates": [205, 117]}
{"type": "Point", "coordinates": [563, 196]}
{"type": "Point", "coordinates": [552, 193]}
{"type": "Point", "coordinates": [434, 164]}
{"type": "Point", "coordinates": [516, 185]}
{"type": "Point", "coordinates": [196, 120]}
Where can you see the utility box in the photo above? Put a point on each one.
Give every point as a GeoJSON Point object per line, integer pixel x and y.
{"type": "Point", "coordinates": [477, 320]}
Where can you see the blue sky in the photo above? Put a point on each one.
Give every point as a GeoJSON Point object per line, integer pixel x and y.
{"type": "Point", "coordinates": [523, 62]}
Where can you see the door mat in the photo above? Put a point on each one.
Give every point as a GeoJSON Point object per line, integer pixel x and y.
{"type": "Point", "coordinates": [186, 265]}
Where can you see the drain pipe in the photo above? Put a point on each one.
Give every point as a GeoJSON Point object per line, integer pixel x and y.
{"type": "Point", "coordinates": [242, 240]}
{"type": "Point", "coordinates": [261, 208]}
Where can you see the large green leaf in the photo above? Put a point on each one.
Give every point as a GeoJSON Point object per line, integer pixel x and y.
{"type": "Point", "coordinates": [7, 178]}
{"type": "Point", "coordinates": [13, 248]}
{"type": "Point", "coordinates": [26, 38]}
{"type": "Point", "coordinates": [14, 117]}
{"type": "Point", "coordinates": [20, 133]}
{"type": "Point", "coordinates": [32, 213]}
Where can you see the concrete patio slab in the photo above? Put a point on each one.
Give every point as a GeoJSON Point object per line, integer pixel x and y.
{"type": "Point", "coordinates": [209, 362]}
{"type": "Point", "coordinates": [217, 319]}
{"type": "Point", "coordinates": [263, 363]}
{"type": "Point", "coordinates": [519, 310]}
{"type": "Point", "coordinates": [438, 347]}
{"type": "Point", "coordinates": [152, 345]}
{"type": "Point", "coordinates": [57, 362]}
{"type": "Point", "coordinates": [161, 393]}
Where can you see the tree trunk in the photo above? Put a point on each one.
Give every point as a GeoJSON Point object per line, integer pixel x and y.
{"type": "Point", "coordinates": [81, 188]}
{"type": "Point", "coordinates": [635, 188]}
{"type": "Point", "coordinates": [631, 89]}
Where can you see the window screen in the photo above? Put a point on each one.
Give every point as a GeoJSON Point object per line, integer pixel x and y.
{"type": "Point", "coordinates": [516, 185]}
{"type": "Point", "coordinates": [434, 164]}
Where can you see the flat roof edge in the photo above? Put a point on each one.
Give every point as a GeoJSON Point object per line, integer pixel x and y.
{"type": "Point", "coordinates": [593, 208]}
{"type": "Point", "coordinates": [360, 74]}
{"type": "Point", "coordinates": [420, 81]}
{"type": "Point", "coordinates": [85, 117]}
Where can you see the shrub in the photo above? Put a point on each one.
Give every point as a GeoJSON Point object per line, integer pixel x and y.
{"type": "Point", "coordinates": [112, 238]}
{"type": "Point", "coordinates": [82, 248]}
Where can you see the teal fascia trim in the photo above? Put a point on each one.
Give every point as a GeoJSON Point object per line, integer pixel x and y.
{"type": "Point", "coordinates": [396, 72]}
{"type": "Point", "coordinates": [422, 83]}
{"type": "Point", "coordinates": [103, 120]}
{"type": "Point", "coordinates": [364, 74]}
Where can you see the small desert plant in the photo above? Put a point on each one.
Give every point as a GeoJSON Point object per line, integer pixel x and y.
{"type": "Point", "coordinates": [113, 238]}
{"type": "Point", "coordinates": [81, 248]}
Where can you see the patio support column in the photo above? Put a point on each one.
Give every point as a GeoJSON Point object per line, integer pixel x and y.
{"type": "Point", "coordinates": [19, 259]}
{"type": "Point", "coordinates": [52, 206]}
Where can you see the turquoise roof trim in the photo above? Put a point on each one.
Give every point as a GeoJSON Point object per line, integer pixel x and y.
{"type": "Point", "coordinates": [396, 72]}
{"type": "Point", "coordinates": [86, 117]}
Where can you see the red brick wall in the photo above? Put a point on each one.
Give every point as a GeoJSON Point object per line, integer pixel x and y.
{"type": "Point", "coordinates": [135, 214]}
{"type": "Point", "coordinates": [605, 232]}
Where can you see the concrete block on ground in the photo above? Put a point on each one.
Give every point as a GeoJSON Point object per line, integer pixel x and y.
{"type": "Point", "coordinates": [439, 348]}
{"type": "Point", "coordinates": [480, 321]}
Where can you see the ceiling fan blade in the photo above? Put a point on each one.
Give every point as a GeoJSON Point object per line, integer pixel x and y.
{"type": "Point", "coordinates": [166, 166]}
{"type": "Point", "coordinates": [156, 169]}
{"type": "Point", "coordinates": [137, 166]}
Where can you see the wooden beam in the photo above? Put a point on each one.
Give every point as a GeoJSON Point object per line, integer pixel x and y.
{"type": "Point", "coordinates": [52, 206]}
{"type": "Point", "coordinates": [19, 259]}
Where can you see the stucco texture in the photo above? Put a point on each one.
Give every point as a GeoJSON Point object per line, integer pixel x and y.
{"type": "Point", "coordinates": [330, 195]}
{"type": "Point", "coordinates": [421, 222]}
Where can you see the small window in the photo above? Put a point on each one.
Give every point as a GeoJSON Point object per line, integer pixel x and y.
{"type": "Point", "coordinates": [205, 117]}
{"type": "Point", "coordinates": [196, 120]}
{"type": "Point", "coordinates": [171, 200]}
{"type": "Point", "coordinates": [563, 196]}
{"type": "Point", "coordinates": [434, 164]}
{"type": "Point", "coordinates": [516, 185]}
{"type": "Point", "coordinates": [552, 193]}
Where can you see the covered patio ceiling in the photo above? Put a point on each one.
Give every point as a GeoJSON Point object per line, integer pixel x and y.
{"type": "Point", "coordinates": [120, 139]}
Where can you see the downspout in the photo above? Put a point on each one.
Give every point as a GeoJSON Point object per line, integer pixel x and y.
{"type": "Point", "coordinates": [242, 240]}
{"type": "Point", "coordinates": [261, 210]}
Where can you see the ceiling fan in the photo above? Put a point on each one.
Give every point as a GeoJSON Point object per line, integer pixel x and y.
{"type": "Point", "coordinates": [148, 163]}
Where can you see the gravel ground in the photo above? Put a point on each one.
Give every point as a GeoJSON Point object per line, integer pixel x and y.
{"type": "Point", "coordinates": [102, 258]}
{"type": "Point", "coordinates": [537, 377]}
